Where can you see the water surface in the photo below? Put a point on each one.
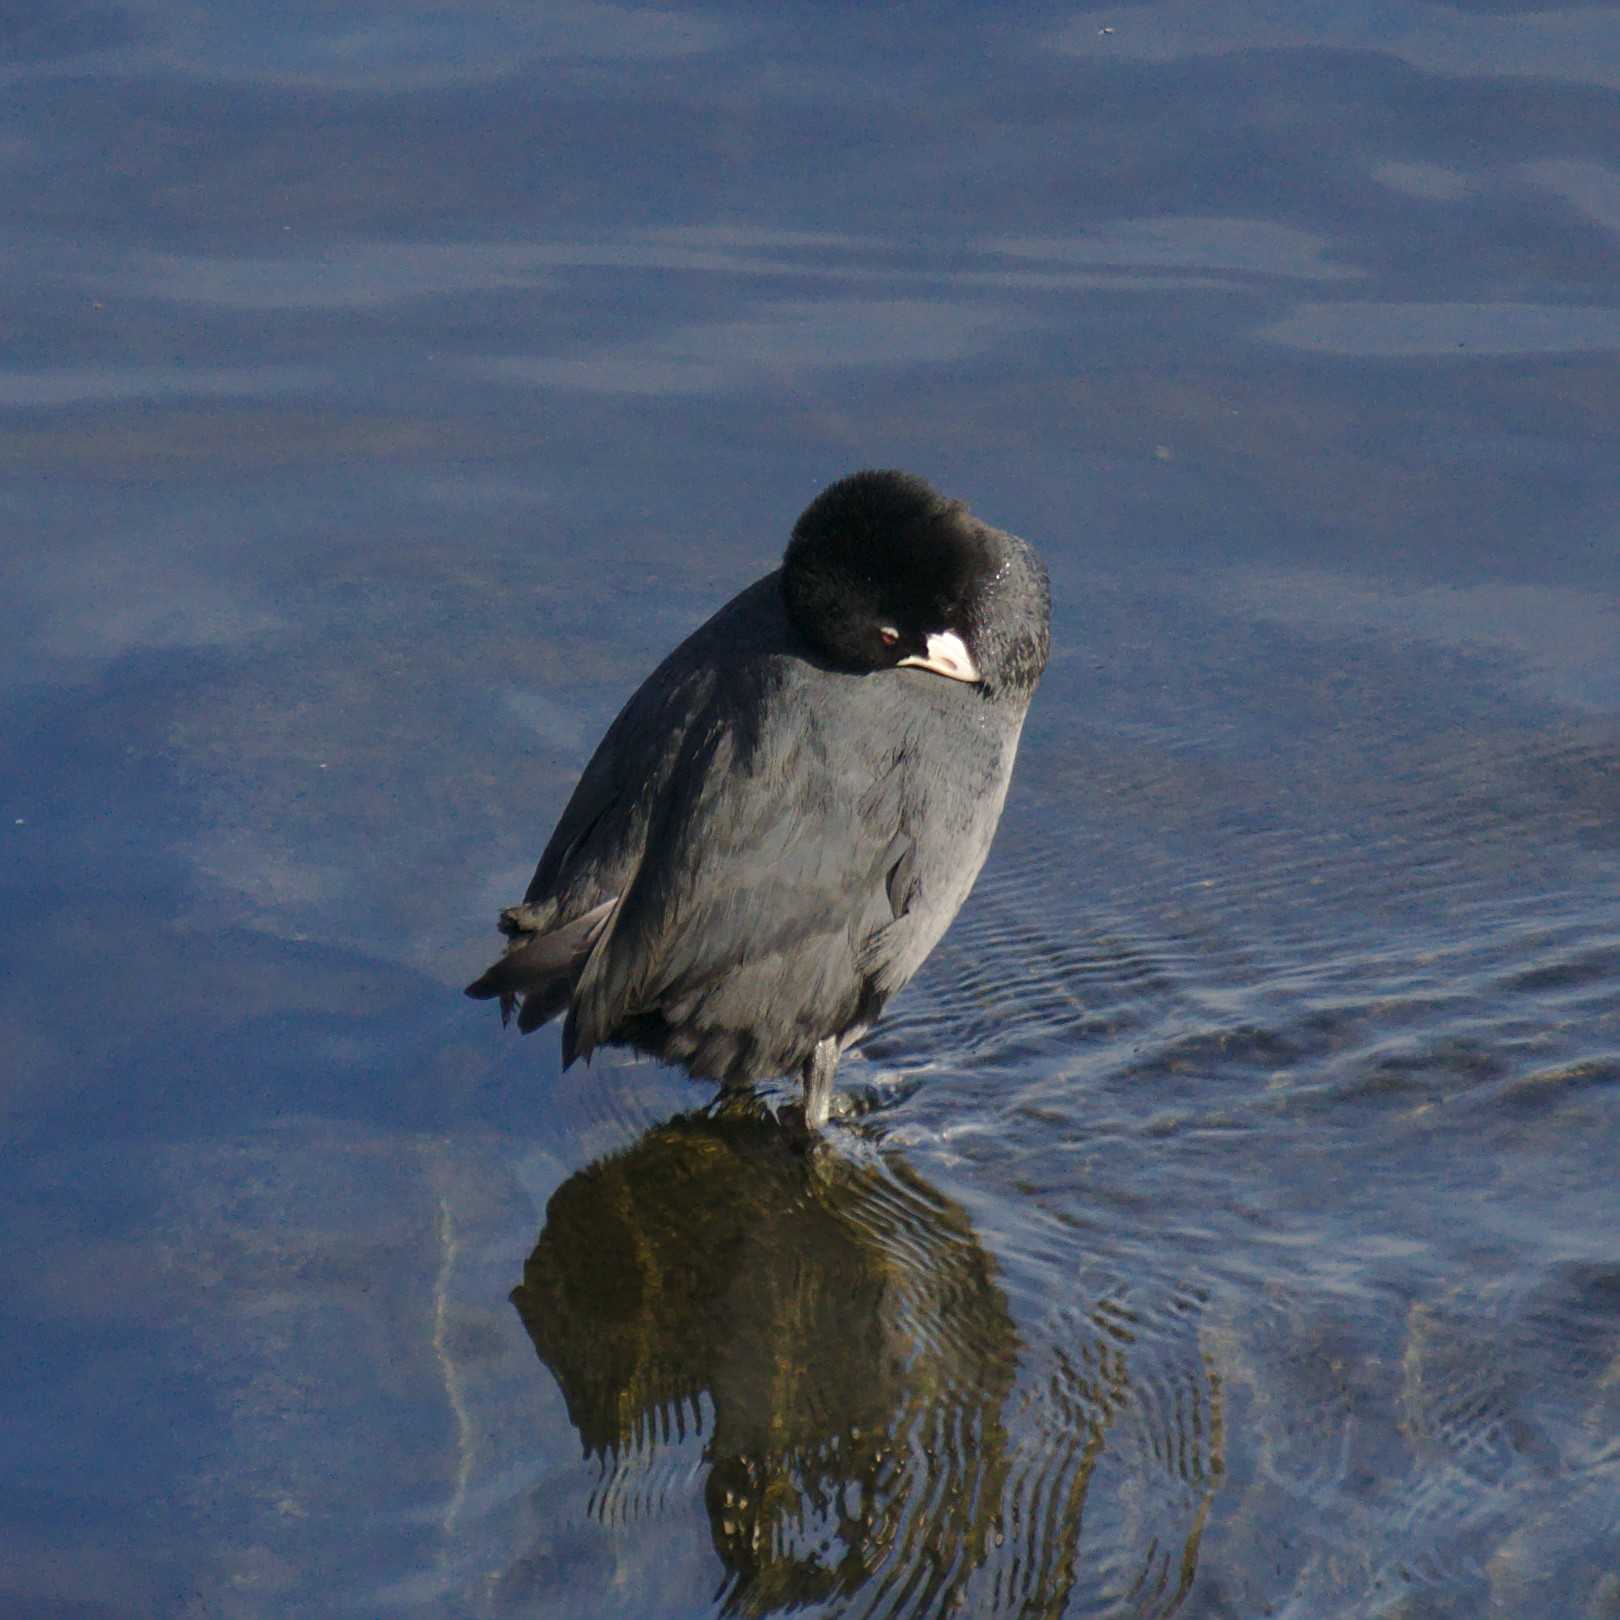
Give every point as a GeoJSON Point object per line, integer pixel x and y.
{"type": "Point", "coordinates": [1225, 1223]}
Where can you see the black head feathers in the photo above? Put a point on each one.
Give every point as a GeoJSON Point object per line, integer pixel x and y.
{"type": "Point", "coordinates": [882, 571]}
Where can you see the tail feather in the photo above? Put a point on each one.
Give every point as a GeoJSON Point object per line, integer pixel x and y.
{"type": "Point", "coordinates": [542, 968]}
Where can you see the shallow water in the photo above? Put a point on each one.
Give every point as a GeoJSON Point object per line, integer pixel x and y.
{"type": "Point", "coordinates": [1224, 1223]}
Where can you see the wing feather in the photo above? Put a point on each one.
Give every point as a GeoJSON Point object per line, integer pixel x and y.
{"type": "Point", "coordinates": [747, 925]}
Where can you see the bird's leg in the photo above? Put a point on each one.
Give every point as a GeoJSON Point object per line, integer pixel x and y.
{"type": "Point", "coordinates": [818, 1082]}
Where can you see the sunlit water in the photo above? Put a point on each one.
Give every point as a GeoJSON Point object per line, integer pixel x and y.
{"type": "Point", "coordinates": [1224, 1223]}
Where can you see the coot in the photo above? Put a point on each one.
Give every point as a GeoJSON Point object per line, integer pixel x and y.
{"type": "Point", "coordinates": [786, 816]}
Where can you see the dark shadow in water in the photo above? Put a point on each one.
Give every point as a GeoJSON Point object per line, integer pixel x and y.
{"type": "Point", "coordinates": [834, 1325]}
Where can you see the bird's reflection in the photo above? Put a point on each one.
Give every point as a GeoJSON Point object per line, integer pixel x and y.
{"type": "Point", "coordinates": [837, 1328]}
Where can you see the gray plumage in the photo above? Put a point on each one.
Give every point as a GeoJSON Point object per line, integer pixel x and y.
{"type": "Point", "coordinates": [786, 816]}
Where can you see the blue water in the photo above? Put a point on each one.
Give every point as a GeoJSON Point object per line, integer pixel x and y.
{"type": "Point", "coordinates": [1228, 1220]}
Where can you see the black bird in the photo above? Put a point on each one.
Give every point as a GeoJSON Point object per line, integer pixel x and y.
{"type": "Point", "coordinates": [784, 819]}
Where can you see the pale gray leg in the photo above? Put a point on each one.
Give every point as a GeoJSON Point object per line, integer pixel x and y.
{"type": "Point", "coordinates": [818, 1082]}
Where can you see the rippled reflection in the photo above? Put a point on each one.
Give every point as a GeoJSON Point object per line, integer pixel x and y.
{"type": "Point", "coordinates": [877, 1431]}
{"type": "Point", "coordinates": [844, 1325]}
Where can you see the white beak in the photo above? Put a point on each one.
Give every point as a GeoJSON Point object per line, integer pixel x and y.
{"type": "Point", "coordinates": [946, 656]}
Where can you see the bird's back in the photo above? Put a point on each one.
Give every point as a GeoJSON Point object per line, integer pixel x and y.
{"type": "Point", "coordinates": [760, 853]}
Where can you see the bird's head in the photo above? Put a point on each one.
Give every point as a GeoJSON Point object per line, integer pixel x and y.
{"type": "Point", "coordinates": [883, 572]}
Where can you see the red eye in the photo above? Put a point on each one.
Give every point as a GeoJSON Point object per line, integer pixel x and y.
{"type": "Point", "coordinates": [888, 637]}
